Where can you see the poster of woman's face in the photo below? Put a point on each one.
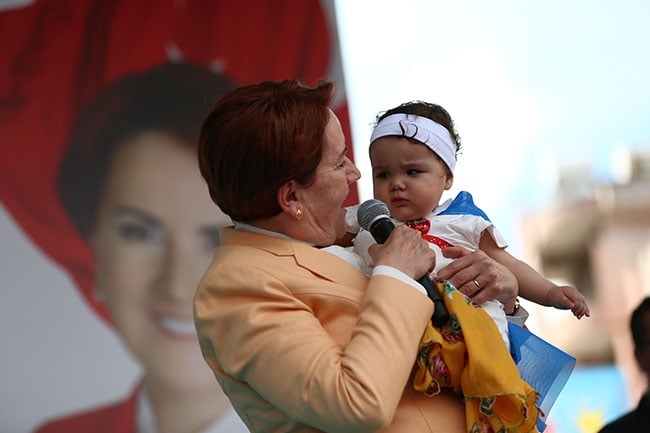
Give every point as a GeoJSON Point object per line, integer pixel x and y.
{"type": "Point", "coordinates": [106, 223]}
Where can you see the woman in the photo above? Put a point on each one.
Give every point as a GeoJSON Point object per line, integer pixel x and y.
{"type": "Point", "coordinates": [299, 339]}
{"type": "Point", "coordinates": [130, 183]}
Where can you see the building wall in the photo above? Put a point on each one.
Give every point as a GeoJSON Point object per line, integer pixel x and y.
{"type": "Point", "coordinates": [599, 242]}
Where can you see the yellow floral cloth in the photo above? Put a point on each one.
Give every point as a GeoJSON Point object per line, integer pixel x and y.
{"type": "Point", "coordinates": [468, 355]}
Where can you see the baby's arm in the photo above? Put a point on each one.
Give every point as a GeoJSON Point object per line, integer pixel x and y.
{"type": "Point", "coordinates": [535, 287]}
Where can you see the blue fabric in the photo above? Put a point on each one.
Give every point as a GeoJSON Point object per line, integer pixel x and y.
{"type": "Point", "coordinates": [545, 367]}
{"type": "Point", "coordinates": [463, 204]}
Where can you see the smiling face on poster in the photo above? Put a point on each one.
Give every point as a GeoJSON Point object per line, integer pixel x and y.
{"type": "Point", "coordinates": [129, 181]}
{"type": "Point", "coordinates": [150, 251]}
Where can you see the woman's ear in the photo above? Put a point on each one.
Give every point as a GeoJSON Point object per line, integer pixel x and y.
{"type": "Point", "coordinates": [288, 200]}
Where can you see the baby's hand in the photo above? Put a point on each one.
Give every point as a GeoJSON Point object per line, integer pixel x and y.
{"type": "Point", "coordinates": [568, 297]}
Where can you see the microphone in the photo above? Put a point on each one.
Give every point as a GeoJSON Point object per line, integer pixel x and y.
{"type": "Point", "coordinates": [374, 216]}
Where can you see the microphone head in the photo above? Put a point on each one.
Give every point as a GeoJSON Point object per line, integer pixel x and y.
{"type": "Point", "coordinates": [369, 211]}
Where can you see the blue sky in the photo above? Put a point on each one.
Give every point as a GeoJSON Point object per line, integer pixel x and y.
{"type": "Point", "coordinates": [530, 85]}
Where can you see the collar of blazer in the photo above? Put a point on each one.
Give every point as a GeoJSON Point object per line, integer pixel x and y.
{"type": "Point", "coordinates": [321, 263]}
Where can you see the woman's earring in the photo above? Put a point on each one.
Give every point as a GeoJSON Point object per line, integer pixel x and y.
{"type": "Point", "coordinates": [298, 214]}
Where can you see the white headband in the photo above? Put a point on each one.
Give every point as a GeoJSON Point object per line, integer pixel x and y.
{"type": "Point", "coordinates": [432, 134]}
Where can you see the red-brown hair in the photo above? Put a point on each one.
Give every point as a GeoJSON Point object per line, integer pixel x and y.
{"type": "Point", "coordinates": [257, 138]}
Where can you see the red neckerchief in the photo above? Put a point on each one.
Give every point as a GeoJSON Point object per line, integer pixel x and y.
{"type": "Point", "coordinates": [423, 226]}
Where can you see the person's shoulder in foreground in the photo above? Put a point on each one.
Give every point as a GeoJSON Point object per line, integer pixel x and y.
{"type": "Point", "coordinates": [637, 420]}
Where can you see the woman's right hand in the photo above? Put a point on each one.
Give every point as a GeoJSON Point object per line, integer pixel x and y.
{"type": "Point", "coordinates": [404, 250]}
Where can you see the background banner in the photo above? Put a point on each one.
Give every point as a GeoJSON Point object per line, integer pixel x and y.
{"type": "Point", "coordinates": [60, 63]}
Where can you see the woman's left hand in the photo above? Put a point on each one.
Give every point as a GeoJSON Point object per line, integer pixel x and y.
{"type": "Point", "coordinates": [480, 277]}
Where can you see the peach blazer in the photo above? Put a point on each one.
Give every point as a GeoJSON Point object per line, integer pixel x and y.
{"type": "Point", "coordinates": [301, 341]}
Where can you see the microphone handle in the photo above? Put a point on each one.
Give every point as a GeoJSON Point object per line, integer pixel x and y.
{"type": "Point", "coordinates": [380, 230]}
{"type": "Point", "coordinates": [440, 314]}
